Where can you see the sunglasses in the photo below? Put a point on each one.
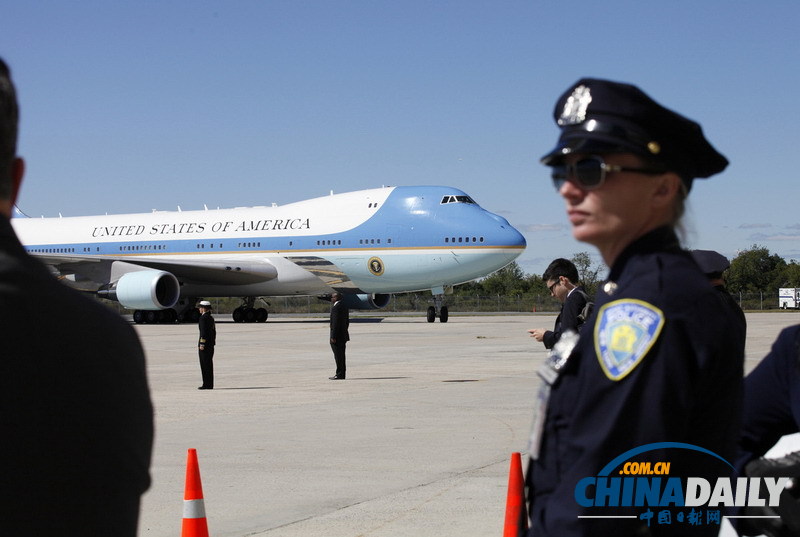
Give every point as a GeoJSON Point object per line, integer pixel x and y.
{"type": "Point", "coordinates": [590, 172]}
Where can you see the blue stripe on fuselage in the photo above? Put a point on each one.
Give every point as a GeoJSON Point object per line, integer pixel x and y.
{"type": "Point", "coordinates": [410, 217]}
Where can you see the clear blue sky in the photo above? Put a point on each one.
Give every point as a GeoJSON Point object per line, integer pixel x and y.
{"type": "Point", "coordinates": [133, 106]}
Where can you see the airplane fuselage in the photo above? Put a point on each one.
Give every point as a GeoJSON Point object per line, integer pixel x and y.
{"type": "Point", "coordinates": [385, 240]}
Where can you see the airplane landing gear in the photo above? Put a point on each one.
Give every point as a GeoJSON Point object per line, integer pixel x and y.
{"type": "Point", "coordinates": [168, 316]}
{"type": "Point", "coordinates": [444, 314]}
{"type": "Point", "coordinates": [247, 313]}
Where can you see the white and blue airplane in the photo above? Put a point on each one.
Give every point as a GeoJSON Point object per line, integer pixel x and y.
{"type": "Point", "coordinates": [366, 244]}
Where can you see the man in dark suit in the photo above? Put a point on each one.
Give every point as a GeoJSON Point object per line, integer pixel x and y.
{"type": "Point", "coordinates": [561, 278]}
{"type": "Point", "coordinates": [340, 321]}
{"type": "Point", "coordinates": [205, 346]}
{"type": "Point", "coordinates": [75, 407]}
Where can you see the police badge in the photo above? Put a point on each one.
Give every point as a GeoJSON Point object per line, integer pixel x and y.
{"type": "Point", "coordinates": [624, 333]}
{"type": "Point", "coordinates": [575, 108]}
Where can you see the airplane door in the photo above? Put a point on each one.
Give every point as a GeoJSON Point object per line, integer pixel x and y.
{"type": "Point", "coordinates": [394, 232]}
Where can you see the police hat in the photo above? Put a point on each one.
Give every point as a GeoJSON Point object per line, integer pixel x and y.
{"type": "Point", "coordinates": [204, 304]}
{"type": "Point", "coordinates": [710, 262]}
{"type": "Point", "coordinates": [601, 116]}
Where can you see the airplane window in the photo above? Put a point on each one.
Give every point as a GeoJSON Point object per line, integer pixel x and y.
{"type": "Point", "coordinates": [460, 239]}
{"type": "Point", "coordinates": [464, 199]}
{"type": "Point", "coordinates": [481, 239]}
{"type": "Point", "coordinates": [379, 241]}
{"type": "Point", "coordinates": [390, 241]}
{"type": "Point", "coordinates": [474, 239]}
{"type": "Point", "coordinates": [445, 199]}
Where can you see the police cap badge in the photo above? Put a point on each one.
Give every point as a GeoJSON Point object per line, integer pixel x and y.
{"type": "Point", "coordinates": [600, 117]}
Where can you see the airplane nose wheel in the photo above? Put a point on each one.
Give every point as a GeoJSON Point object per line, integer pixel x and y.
{"type": "Point", "coordinates": [444, 314]}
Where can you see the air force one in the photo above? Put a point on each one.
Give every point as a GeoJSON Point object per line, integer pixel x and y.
{"type": "Point", "coordinates": [366, 244]}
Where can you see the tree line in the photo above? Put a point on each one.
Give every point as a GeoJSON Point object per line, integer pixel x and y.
{"type": "Point", "coordinates": [752, 271]}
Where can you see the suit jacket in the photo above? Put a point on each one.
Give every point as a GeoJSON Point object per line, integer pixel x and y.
{"type": "Point", "coordinates": [208, 330]}
{"type": "Point", "coordinates": [75, 407]}
{"type": "Point", "coordinates": [340, 322]}
{"type": "Point", "coordinates": [568, 317]}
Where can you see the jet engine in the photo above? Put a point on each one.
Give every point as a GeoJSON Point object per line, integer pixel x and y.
{"type": "Point", "coordinates": [145, 290]}
{"type": "Point", "coordinates": [367, 302]}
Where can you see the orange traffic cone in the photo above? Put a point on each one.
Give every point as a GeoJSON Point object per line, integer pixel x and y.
{"type": "Point", "coordinates": [194, 510]}
{"type": "Point", "coordinates": [516, 512]}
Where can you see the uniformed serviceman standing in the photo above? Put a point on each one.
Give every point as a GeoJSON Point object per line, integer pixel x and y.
{"type": "Point", "coordinates": [205, 346]}
{"type": "Point", "coordinates": [655, 363]}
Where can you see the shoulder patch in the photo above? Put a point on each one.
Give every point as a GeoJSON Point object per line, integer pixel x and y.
{"type": "Point", "coordinates": [623, 334]}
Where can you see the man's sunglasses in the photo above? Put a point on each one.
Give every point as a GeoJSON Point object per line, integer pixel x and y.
{"type": "Point", "coordinates": [590, 172]}
{"type": "Point", "coordinates": [551, 287]}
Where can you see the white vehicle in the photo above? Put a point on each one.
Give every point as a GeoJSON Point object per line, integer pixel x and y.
{"type": "Point", "coordinates": [789, 297]}
{"type": "Point", "coordinates": [366, 245]}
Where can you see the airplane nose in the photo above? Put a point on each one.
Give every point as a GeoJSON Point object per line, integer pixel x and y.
{"type": "Point", "coordinates": [511, 236]}
{"type": "Point", "coordinates": [516, 238]}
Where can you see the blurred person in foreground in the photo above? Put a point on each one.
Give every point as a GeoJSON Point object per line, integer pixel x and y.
{"type": "Point", "coordinates": [772, 411]}
{"type": "Point", "coordinates": [75, 408]}
{"type": "Point", "coordinates": [654, 376]}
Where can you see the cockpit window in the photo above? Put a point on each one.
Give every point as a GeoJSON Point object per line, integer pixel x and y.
{"type": "Point", "coordinates": [457, 199]}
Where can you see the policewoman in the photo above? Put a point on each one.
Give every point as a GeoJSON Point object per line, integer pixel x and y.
{"type": "Point", "coordinates": [654, 364]}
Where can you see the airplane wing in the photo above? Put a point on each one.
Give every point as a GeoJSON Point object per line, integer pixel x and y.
{"type": "Point", "coordinates": [332, 275]}
{"type": "Point", "coordinates": [219, 271]}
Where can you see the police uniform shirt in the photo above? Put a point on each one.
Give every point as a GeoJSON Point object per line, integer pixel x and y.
{"type": "Point", "coordinates": [684, 386]}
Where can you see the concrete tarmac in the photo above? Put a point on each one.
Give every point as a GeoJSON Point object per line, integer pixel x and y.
{"type": "Point", "coordinates": [417, 440]}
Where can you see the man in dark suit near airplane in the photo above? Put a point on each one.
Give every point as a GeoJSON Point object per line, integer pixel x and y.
{"type": "Point", "coordinates": [561, 278]}
{"type": "Point", "coordinates": [340, 321]}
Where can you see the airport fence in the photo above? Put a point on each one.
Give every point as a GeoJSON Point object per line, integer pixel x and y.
{"type": "Point", "coordinates": [419, 302]}
{"type": "Point", "coordinates": [405, 303]}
